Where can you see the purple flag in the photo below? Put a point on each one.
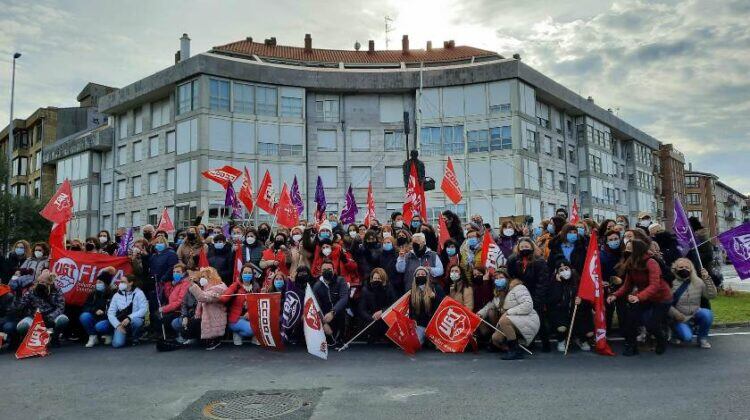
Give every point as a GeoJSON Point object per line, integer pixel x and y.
{"type": "Point", "coordinates": [320, 201]}
{"type": "Point", "coordinates": [225, 230]}
{"type": "Point", "coordinates": [736, 243]}
{"type": "Point", "coordinates": [126, 242]}
{"type": "Point", "coordinates": [296, 197]}
{"type": "Point", "coordinates": [681, 227]}
{"type": "Point", "coordinates": [231, 201]}
{"type": "Point", "coordinates": [349, 213]}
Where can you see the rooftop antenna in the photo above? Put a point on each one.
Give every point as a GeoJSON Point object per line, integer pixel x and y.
{"type": "Point", "coordinates": [388, 29]}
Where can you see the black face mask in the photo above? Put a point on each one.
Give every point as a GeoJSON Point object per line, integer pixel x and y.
{"type": "Point", "coordinates": [401, 241]}
{"type": "Point", "coordinates": [418, 249]}
{"type": "Point", "coordinates": [373, 245]}
{"type": "Point", "coordinates": [148, 235]}
{"type": "Point", "coordinates": [301, 278]}
{"type": "Point", "coordinates": [683, 274]}
{"type": "Point", "coordinates": [191, 236]}
{"type": "Point", "coordinates": [75, 248]}
{"type": "Point", "coordinates": [41, 290]}
{"type": "Point", "coordinates": [117, 238]}
{"type": "Point", "coordinates": [277, 243]}
{"type": "Point", "coordinates": [526, 252]}
{"type": "Point", "coordinates": [328, 275]}
{"type": "Point", "coordinates": [420, 280]}
{"type": "Point", "coordinates": [376, 285]}
{"type": "Point", "coordinates": [89, 247]}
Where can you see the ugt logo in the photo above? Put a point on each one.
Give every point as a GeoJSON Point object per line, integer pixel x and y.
{"type": "Point", "coordinates": [312, 319]}
{"type": "Point", "coordinates": [62, 201]}
{"type": "Point", "coordinates": [453, 325]}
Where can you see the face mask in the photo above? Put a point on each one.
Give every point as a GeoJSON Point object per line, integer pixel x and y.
{"type": "Point", "coordinates": [122, 286]}
{"type": "Point", "coordinates": [401, 241]}
{"type": "Point", "coordinates": [19, 251]}
{"type": "Point", "coordinates": [353, 234]}
{"type": "Point", "coordinates": [180, 241]}
{"type": "Point", "coordinates": [416, 247]}
{"type": "Point", "coordinates": [333, 224]}
{"type": "Point", "coordinates": [387, 246]}
{"type": "Point", "coordinates": [376, 284]}
{"type": "Point", "coordinates": [416, 224]}
{"type": "Point", "coordinates": [399, 224]}
{"type": "Point", "coordinates": [278, 242]}
{"type": "Point", "coordinates": [89, 247]}
{"type": "Point", "coordinates": [537, 231]}
{"type": "Point", "coordinates": [202, 232]}
{"type": "Point", "coordinates": [247, 277]}
{"type": "Point", "coordinates": [301, 278]}
{"type": "Point", "coordinates": [160, 247]}
{"type": "Point", "coordinates": [473, 242]}
{"type": "Point", "coordinates": [565, 274]}
{"type": "Point", "coordinates": [148, 235]}
{"type": "Point", "coordinates": [451, 251]}
{"type": "Point", "coordinates": [327, 251]}
{"type": "Point", "coordinates": [38, 254]}
{"type": "Point", "coordinates": [278, 284]}
{"type": "Point", "coordinates": [237, 237]}
{"type": "Point", "coordinates": [645, 223]}
{"type": "Point", "coordinates": [250, 240]}
{"type": "Point", "coordinates": [328, 275]}
{"type": "Point", "coordinates": [621, 223]}
{"type": "Point", "coordinates": [219, 245]}
{"type": "Point", "coordinates": [176, 277]}
{"type": "Point", "coordinates": [501, 283]}
{"type": "Point", "coordinates": [571, 237]}
{"type": "Point", "coordinates": [100, 287]}
{"type": "Point", "coordinates": [551, 228]}
{"type": "Point", "coordinates": [525, 252]}
{"type": "Point", "coordinates": [191, 236]}
{"type": "Point", "coordinates": [614, 244]}
{"type": "Point", "coordinates": [683, 274]}
{"type": "Point", "coordinates": [455, 276]}
{"type": "Point", "coordinates": [324, 235]}
{"type": "Point", "coordinates": [103, 239]}
{"type": "Point", "coordinates": [508, 232]}
{"type": "Point", "coordinates": [420, 280]}
{"type": "Point", "coordinates": [581, 231]}
{"type": "Point", "coordinates": [297, 237]}
{"type": "Point", "coordinates": [203, 281]}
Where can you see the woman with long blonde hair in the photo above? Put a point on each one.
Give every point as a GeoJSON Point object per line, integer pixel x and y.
{"type": "Point", "coordinates": [210, 310]}
{"type": "Point", "coordinates": [426, 296]}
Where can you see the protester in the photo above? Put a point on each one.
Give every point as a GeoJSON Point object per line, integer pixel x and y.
{"type": "Point", "coordinates": [106, 243]}
{"type": "Point", "coordinates": [332, 294]}
{"type": "Point", "coordinates": [425, 298]}
{"type": "Point", "coordinates": [519, 323]}
{"type": "Point", "coordinates": [453, 223]}
{"type": "Point", "coordinates": [21, 250]}
{"type": "Point", "coordinates": [46, 298]}
{"type": "Point", "coordinates": [277, 256]}
{"type": "Point", "coordinates": [235, 299]}
{"type": "Point", "coordinates": [7, 315]}
{"type": "Point", "coordinates": [221, 258]}
{"type": "Point", "coordinates": [570, 245]}
{"type": "Point", "coordinates": [509, 234]}
{"type": "Point", "coordinates": [562, 298]}
{"type": "Point", "coordinates": [526, 265]}
{"type": "Point", "coordinates": [419, 256]}
{"type": "Point", "coordinates": [299, 256]}
{"type": "Point", "coordinates": [687, 291]}
{"type": "Point", "coordinates": [460, 288]}
{"type": "Point", "coordinates": [377, 296]}
{"type": "Point", "coordinates": [161, 264]}
{"type": "Point", "coordinates": [38, 261]}
{"type": "Point", "coordinates": [188, 253]}
{"type": "Point", "coordinates": [170, 310]}
{"type": "Point", "coordinates": [491, 312]}
{"type": "Point", "coordinates": [610, 253]}
{"type": "Point", "coordinates": [94, 311]}
{"type": "Point", "coordinates": [211, 312]}
{"type": "Point", "coordinates": [126, 313]}
{"type": "Point", "coordinates": [252, 250]}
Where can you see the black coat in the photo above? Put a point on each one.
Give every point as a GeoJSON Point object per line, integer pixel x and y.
{"type": "Point", "coordinates": [668, 244]}
{"type": "Point", "coordinates": [388, 263]}
{"type": "Point", "coordinates": [577, 257]}
{"type": "Point", "coordinates": [332, 297]}
{"type": "Point", "coordinates": [221, 260]}
{"type": "Point", "coordinates": [424, 317]}
{"type": "Point", "coordinates": [97, 301]}
{"type": "Point", "coordinates": [535, 277]}
{"type": "Point", "coordinates": [372, 301]}
{"type": "Point", "coordinates": [367, 258]}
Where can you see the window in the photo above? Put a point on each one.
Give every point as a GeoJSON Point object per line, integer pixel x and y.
{"type": "Point", "coordinates": [153, 146]}
{"type": "Point", "coordinates": [121, 186]}
{"type": "Point", "coordinates": [531, 140]}
{"type": "Point", "coordinates": [329, 176]}
{"type": "Point", "coordinates": [20, 166]}
{"type": "Point", "coordinates": [696, 213]}
{"type": "Point", "coordinates": [453, 140]}
{"type": "Point", "coordinates": [107, 192]}
{"type": "Point", "coordinates": [562, 184]}
{"type": "Point", "coordinates": [187, 176]}
{"type": "Point", "coordinates": [123, 119]}
{"type": "Point", "coordinates": [693, 198]}
{"type": "Point", "coordinates": [327, 110]}
{"type": "Point", "coordinates": [596, 163]}
{"type": "Point", "coordinates": [170, 141]}
{"type": "Point", "coordinates": [361, 140]}
{"type": "Point", "coordinates": [122, 157]}
{"type": "Point", "coordinates": [136, 217]}
{"type": "Point", "coordinates": [136, 186]}
{"type": "Point", "coordinates": [187, 97]}
{"type": "Point", "coordinates": [548, 145]}
{"type": "Point", "coordinates": [152, 217]}
{"type": "Point", "coordinates": [571, 154]}
{"type": "Point", "coordinates": [290, 149]}
{"type": "Point", "coordinates": [170, 179]}
{"type": "Point", "coordinates": [560, 150]}
{"type": "Point", "coordinates": [691, 181]}
{"type": "Point", "coordinates": [107, 223]}
{"type": "Point", "coordinates": [429, 142]}
{"type": "Point", "coordinates": [360, 176]}
{"type": "Point", "coordinates": [137, 151]}
{"type": "Point", "coordinates": [138, 121]}
{"type": "Point", "coordinates": [477, 141]}
{"type": "Point", "coordinates": [160, 113]}
{"type": "Point", "coordinates": [500, 138]}
{"type": "Point", "coordinates": [549, 179]}
{"type": "Point", "coordinates": [244, 100]}
{"type": "Point", "coordinates": [327, 140]}
{"type": "Point", "coordinates": [394, 141]}
{"type": "Point", "coordinates": [187, 136]}
{"type": "Point", "coordinates": [291, 107]}
{"type": "Point", "coordinates": [37, 187]}
{"type": "Point", "coordinates": [573, 185]}
{"type": "Point", "coordinates": [265, 101]}
{"type": "Point", "coordinates": [268, 149]}
{"type": "Point", "coordinates": [394, 177]}
{"type": "Point", "coordinates": [218, 95]}
{"type": "Point", "coordinates": [153, 182]}
{"type": "Point", "coordinates": [542, 114]}
{"type": "Point", "coordinates": [121, 222]}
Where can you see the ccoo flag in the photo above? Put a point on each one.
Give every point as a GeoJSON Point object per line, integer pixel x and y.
{"type": "Point", "coordinates": [591, 289]}
{"type": "Point", "coordinates": [450, 183]}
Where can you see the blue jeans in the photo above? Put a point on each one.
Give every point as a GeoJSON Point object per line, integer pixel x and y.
{"type": "Point", "coordinates": [89, 323]}
{"type": "Point", "coordinates": [703, 319]}
{"type": "Point", "coordinates": [118, 338]}
{"type": "Point", "coordinates": [61, 322]}
{"type": "Point", "coordinates": [177, 325]}
{"type": "Point", "coordinates": [242, 327]}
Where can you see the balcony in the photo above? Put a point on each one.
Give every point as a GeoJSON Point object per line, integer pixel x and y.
{"type": "Point", "coordinates": [731, 201]}
{"type": "Point", "coordinates": [730, 216]}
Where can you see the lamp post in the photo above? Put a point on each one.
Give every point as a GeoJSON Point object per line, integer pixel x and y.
{"type": "Point", "coordinates": [16, 56]}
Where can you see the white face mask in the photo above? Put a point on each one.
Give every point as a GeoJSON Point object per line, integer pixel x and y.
{"type": "Point", "coordinates": [508, 231]}
{"type": "Point", "coordinates": [250, 240]}
{"type": "Point", "coordinates": [645, 223]}
{"type": "Point", "coordinates": [455, 276]}
{"type": "Point", "coordinates": [326, 251]}
{"type": "Point", "coordinates": [565, 274]}
{"type": "Point", "coordinates": [203, 281]}
{"type": "Point", "coordinates": [103, 239]}
{"type": "Point", "coordinates": [122, 286]}
{"type": "Point", "coordinates": [297, 237]}
{"type": "Point", "coordinates": [38, 254]}
{"type": "Point", "coordinates": [386, 234]}
{"type": "Point", "coordinates": [237, 237]}
{"type": "Point", "coordinates": [353, 234]}
{"type": "Point", "coordinates": [399, 224]}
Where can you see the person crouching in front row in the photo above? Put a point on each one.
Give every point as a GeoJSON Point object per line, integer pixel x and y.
{"type": "Point", "coordinates": [211, 312]}
{"type": "Point", "coordinates": [519, 322]}
{"type": "Point", "coordinates": [332, 294]}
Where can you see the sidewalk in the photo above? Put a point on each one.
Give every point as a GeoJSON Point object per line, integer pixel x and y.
{"type": "Point", "coordinates": [731, 280]}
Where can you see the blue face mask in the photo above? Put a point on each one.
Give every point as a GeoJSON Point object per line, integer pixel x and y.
{"type": "Point", "coordinates": [581, 231]}
{"type": "Point", "coordinates": [100, 287]}
{"type": "Point", "coordinates": [472, 242]}
{"type": "Point", "coordinates": [333, 224]}
{"type": "Point", "coordinates": [416, 224]}
{"type": "Point", "coordinates": [247, 277]}
{"type": "Point", "coordinates": [501, 283]}
{"type": "Point", "coordinates": [176, 277]}
{"type": "Point", "coordinates": [551, 228]}
{"type": "Point", "coordinates": [160, 247]}
{"type": "Point", "coordinates": [614, 244]}
{"type": "Point", "coordinates": [219, 245]}
{"type": "Point", "coordinates": [278, 284]}
{"type": "Point", "coordinates": [537, 231]}
{"type": "Point", "coordinates": [387, 246]}
{"type": "Point", "coordinates": [451, 251]}
{"type": "Point", "coordinates": [180, 241]}
{"type": "Point", "coordinates": [19, 251]}
{"type": "Point", "coordinates": [324, 235]}
{"type": "Point", "coordinates": [571, 237]}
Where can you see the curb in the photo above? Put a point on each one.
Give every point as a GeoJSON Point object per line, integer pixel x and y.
{"type": "Point", "coordinates": [743, 324]}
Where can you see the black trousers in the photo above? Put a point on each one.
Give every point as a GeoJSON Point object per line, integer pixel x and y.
{"type": "Point", "coordinates": [651, 315]}
{"type": "Point", "coordinates": [560, 317]}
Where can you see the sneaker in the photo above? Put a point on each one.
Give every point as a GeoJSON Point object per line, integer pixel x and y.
{"type": "Point", "coordinates": [236, 339]}
{"type": "Point", "coordinates": [179, 339]}
{"type": "Point", "coordinates": [107, 340]}
{"type": "Point", "coordinates": [704, 343]}
{"type": "Point", "coordinates": [583, 345]}
{"type": "Point", "coordinates": [561, 346]}
{"type": "Point", "coordinates": [93, 340]}
{"type": "Point", "coordinates": [676, 341]}
{"type": "Point", "coordinates": [189, 342]}
{"type": "Point", "coordinates": [213, 345]}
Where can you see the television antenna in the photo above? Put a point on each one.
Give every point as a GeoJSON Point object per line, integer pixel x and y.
{"type": "Point", "coordinates": [388, 29]}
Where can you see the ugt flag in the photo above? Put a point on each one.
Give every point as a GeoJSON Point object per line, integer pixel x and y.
{"type": "Point", "coordinates": [349, 213]}
{"type": "Point", "coordinates": [263, 310]}
{"type": "Point", "coordinates": [313, 326]}
{"type": "Point", "coordinates": [76, 272]}
{"type": "Point", "coordinates": [224, 176]}
{"type": "Point", "coordinates": [59, 209]}
{"type": "Point", "coordinates": [452, 326]}
{"type": "Point", "coordinates": [320, 201]}
{"type": "Point", "coordinates": [297, 197]}
{"type": "Point", "coordinates": [291, 314]}
{"type": "Point", "coordinates": [450, 183]}
{"type": "Point", "coordinates": [736, 243]}
{"type": "Point", "coordinates": [403, 332]}
{"type": "Point", "coordinates": [36, 340]}
{"type": "Point", "coordinates": [591, 289]}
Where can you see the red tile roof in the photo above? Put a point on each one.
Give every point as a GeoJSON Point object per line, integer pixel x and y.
{"type": "Point", "coordinates": [317, 55]}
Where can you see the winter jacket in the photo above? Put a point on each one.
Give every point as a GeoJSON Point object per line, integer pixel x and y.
{"type": "Point", "coordinates": [161, 264]}
{"type": "Point", "coordinates": [176, 296]}
{"type": "Point", "coordinates": [222, 261]}
{"type": "Point", "coordinates": [495, 304]}
{"type": "Point", "coordinates": [506, 244]}
{"type": "Point", "coordinates": [341, 260]}
{"type": "Point", "coordinates": [235, 304]}
{"type": "Point", "coordinates": [253, 253]}
{"type": "Point", "coordinates": [388, 263]}
{"type": "Point", "coordinates": [704, 256]}
{"type": "Point", "coordinates": [50, 306]}
{"type": "Point", "coordinates": [188, 254]}
{"type": "Point", "coordinates": [210, 310]}
{"type": "Point", "coordinates": [97, 301]}
{"type": "Point", "coordinates": [367, 258]}
{"type": "Point", "coordinates": [373, 300]}
{"type": "Point", "coordinates": [36, 265]}
{"type": "Point", "coordinates": [20, 284]}
{"type": "Point", "coordinates": [299, 257]}
{"type": "Point", "coordinates": [332, 297]}
{"type": "Point", "coordinates": [519, 308]}
{"type": "Point", "coordinates": [122, 300]}
{"type": "Point", "coordinates": [409, 263]}
{"type": "Point", "coordinates": [649, 284]}
{"type": "Point", "coordinates": [470, 259]}
{"type": "Point", "coordinates": [188, 306]}
{"type": "Point", "coordinates": [690, 301]}
{"type": "Point", "coordinates": [13, 262]}
{"type": "Point", "coordinates": [535, 276]}
{"type": "Point", "coordinates": [281, 256]}
{"type": "Point", "coordinates": [668, 245]}
{"type": "Point", "coordinates": [465, 296]}
{"type": "Point", "coordinates": [543, 242]}
{"type": "Point", "coordinates": [424, 316]}
{"type": "Point", "coordinates": [609, 259]}
{"type": "Point", "coordinates": [577, 257]}
{"type": "Point", "coordinates": [561, 295]}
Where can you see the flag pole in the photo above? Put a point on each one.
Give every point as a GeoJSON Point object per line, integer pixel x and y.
{"type": "Point", "coordinates": [345, 346]}
{"type": "Point", "coordinates": [495, 328]}
{"type": "Point", "coordinates": [570, 328]}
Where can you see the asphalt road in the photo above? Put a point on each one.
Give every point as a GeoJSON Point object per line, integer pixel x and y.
{"type": "Point", "coordinates": [382, 383]}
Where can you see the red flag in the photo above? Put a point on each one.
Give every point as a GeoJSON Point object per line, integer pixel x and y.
{"type": "Point", "coordinates": [450, 183]}
{"type": "Point", "coordinates": [59, 209]}
{"type": "Point", "coordinates": [223, 176]}
{"type": "Point", "coordinates": [443, 234]}
{"type": "Point", "coordinates": [76, 272]}
{"type": "Point", "coordinates": [57, 235]}
{"type": "Point", "coordinates": [202, 259]}
{"type": "Point", "coordinates": [591, 289]}
{"type": "Point", "coordinates": [490, 251]}
{"type": "Point", "coordinates": [238, 263]}
{"type": "Point", "coordinates": [415, 202]}
{"type": "Point", "coordinates": [264, 312]}
{"type": "Point", "coordinates": [370, 215]}
{"type": "Point", "coordinates": [265, 199]}
{"type": "Point", "coordinates": [574, 218]}
{"type": "Point", "coordinates": [246, 192]}
{"type": "Point", "coordinates": [165, 223]}
{"type": "Point", "coordinates": [286, 211]}
{"type": "Point", "coordinates": [36, 340]}
{"type": "Point", "coordinates": [400, 306]}
{"type": "Point", "coordinates": [452, 326]}
{"type": "Point", "coordinates": [403, 332]}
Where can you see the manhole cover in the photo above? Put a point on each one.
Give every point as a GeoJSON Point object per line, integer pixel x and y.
{"type": "Point", "coordinates": [253, 406]}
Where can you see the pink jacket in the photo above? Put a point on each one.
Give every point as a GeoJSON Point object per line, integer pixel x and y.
{"type": "Point", "coordinates": [176, 294]}
{"type": "Point", "coordinates": [210, 310]}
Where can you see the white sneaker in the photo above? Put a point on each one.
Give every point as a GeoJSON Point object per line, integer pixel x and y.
{"type": "Point", "coordinates": [93, 340]}
{"type": "Point", "coordinates": [583, 345]}
{"type": "Point", "coordinates": [190, 341]}
{"type": "Point", "coordinates": [236, 339]}
{"type": "Point", "coordinates": [179, 339]}
{"type": "Point", "coordinates": [641, 335]}
{"type": "Point", "coordinates": [704, 343]}
{"type": "Point", "coordinates": [107, 340]}
{"type": "Point", "coordinates": [561, 346]}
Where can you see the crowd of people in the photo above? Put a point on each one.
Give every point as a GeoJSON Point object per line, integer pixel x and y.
{"type": "Point", "coordinates": [653, 293]}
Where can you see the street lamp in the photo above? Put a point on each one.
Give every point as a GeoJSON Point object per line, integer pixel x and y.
{"type": "Point", "coordinates": [16, 56]}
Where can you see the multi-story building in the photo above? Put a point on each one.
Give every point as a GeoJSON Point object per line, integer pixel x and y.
{"type": "Point", "coordinates": [700, 199]}
{"type": "Point", "coordinates": [672, 163]}
{"type": "Point", "coordinates": [521, 143]}
{"type": "Point", "coordinates": [731, 207]}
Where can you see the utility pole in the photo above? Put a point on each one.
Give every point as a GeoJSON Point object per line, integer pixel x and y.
{"type": "Point", "coordinates": [9, 146]}
{"type": "Point", "coordinates": [388, 30]}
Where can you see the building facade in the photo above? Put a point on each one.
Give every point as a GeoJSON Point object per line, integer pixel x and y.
{"type": "Point", "coordinates": [672, 163]}
{"type": "Point", "coordinates": [731, 207]}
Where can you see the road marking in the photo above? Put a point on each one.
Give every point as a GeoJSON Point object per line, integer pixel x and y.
{"type": "Point", "coordinates": [726, 334]}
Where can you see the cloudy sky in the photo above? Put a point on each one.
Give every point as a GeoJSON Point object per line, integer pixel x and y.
{"type": "Point", "coordinates": [675, 69]}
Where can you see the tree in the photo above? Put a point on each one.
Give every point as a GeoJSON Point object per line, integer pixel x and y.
{"type": "Point", "coordinates": [19, 216]}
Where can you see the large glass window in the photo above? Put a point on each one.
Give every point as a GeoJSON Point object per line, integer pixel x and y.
{"type": "Point", "coordinates": [394, 141]}
{"type": "Point", "coordinates": [429, 142]}
{"type": "Point", "coordinates": [136, 186]}
{"type": "Point", "coordinates": [453, 140]}
{"type": "Point", "coordinates": [219, 95]}
{"type": "Point", "coordinates": [153, 146]}
{"type": "Point", "coordinates": [137, 151]}
{"type": "Point", "coordinates": [170, 141]}
{"type": "Point", "coordinates": [266, 101]}
{"type": "Point", "coordinates": [691, 181]}
{"type": "Point", "coordinates": [170, 179]}
{"type": "Point", "coordinates": [327, 140]}
{"type": "Point", "coordinates": [153, 182]}
{"type": "Point", "coordinates": [327, 110]}
{"type": "Point", "coordinates": [291, 107]}
{"type": "Point", "coordinates": [187, 97]}
{"type": "Point", "coordinates": [244, 100]}
{"type": "Point", "coordinates": [500, 138]}
{"type": "Point", "coordinates": [477, 141]}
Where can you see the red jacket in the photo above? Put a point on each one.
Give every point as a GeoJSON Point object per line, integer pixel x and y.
{"type": "Point", "coordinates": [279, 256]}
{"type": "Point", "coordinates": [236, 307]}
{"type": "Point", "coordinates": [342, 269]}
{"type": "Point", "coordinates": [176, 294]}
{"type": "Point", "coordinates": [651, 287]}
